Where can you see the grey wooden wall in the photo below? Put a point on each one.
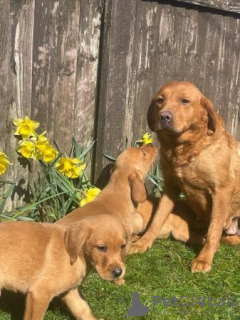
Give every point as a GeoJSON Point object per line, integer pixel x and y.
{"type": "Point", "coordinates": [89, 68]}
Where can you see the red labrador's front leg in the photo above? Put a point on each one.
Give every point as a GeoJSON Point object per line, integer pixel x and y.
{"type": "Point", "coordinates": [220, 211]}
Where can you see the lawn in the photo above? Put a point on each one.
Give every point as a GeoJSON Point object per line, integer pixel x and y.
{"type": "Point", "coordinates": [163, 271]}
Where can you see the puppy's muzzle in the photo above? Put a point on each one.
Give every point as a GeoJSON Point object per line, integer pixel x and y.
{"type": "Point", "coordinates": [166, 119]}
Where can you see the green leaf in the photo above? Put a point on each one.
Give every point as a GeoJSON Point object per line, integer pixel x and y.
{"type": "Point", "coordinates": [110, 158]}
{"type": "Point", "coordinates": [86, 150]}
{"type": "Point", "coordinates": [6, 195]}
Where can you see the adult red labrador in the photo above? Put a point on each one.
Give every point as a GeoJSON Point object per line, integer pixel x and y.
{"type": "Point", "coordinates": [199, 158]}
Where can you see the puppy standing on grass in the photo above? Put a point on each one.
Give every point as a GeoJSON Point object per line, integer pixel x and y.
{"type": "Point", "coordinates": [45, 260]}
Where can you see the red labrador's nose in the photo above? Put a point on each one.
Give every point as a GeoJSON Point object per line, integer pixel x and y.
{"type": "Point", "coordinates": [166, 117]}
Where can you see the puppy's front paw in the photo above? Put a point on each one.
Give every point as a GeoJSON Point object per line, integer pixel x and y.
{"type": "Point", "coordinates": [140, 246]}
{"type": "Point", "coordinates": [200, 265]}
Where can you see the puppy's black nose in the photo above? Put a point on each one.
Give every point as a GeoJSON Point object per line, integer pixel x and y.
{"type": "Point", "coordinates": [166, 117]}
{"type": "Point", "coordinates": [117, 272]}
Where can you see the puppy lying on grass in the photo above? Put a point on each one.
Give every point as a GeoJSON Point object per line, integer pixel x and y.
{"type": "Point", "coordinates": [181, 224]}
{"type": "Point", "coordinates": [45, 260]}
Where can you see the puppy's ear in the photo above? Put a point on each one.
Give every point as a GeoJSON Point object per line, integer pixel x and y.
{"type": "Point", "coordinates": [138, 191]}
{"type": "Point", "coordinates": [151, 116]}
{"type": "Point", "coordinates": [74, 239]}
{"type": "Point", "coordinates": [212, 115]}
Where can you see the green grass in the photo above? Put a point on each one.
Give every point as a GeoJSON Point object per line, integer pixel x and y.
{"type": "Point", "coordinates": [162, 271]}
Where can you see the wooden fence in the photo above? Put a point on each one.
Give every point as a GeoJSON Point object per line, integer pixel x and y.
{"type": "Point", "coordinates": [89, 68]}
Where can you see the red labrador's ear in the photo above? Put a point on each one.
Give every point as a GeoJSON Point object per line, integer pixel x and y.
{"type": "Point", "coordinates": [151, 116]}
{"type": "Point", "coordinates": [212, 115]}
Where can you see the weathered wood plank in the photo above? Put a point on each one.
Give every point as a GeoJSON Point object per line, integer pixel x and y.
{"type": "Point", "coordinates": [116, 105]}
{"type": "Point", "coordinates": [7, 103]}
{"type": "Point", "coordinates": [226, 5]}
{"type": "Point", "coordinates": [67, 30]}
{"type": "Point", "coordinates": [44, 63]}
{"type": "Point", "coordinates": [144, 65]}
{"type": "Point", "coordinates": [6, 98]}
{"type": "Point", "coordinates": [22, 44]}
{"type": "Point", "coordinates": [87, 70]}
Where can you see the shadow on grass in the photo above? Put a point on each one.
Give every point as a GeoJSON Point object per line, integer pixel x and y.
{"type": "Point", "coordinates": [196, 248]}
{"type": "Point", "coordinates": [14, 304]}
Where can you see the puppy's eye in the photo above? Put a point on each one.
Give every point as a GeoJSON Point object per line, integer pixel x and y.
{"type": "Point", "coordinates": [185, 101]}
{"type": "Point", "coordinates": [160, 100]}
{"type": "Point", "coordinates": [102, 248]}
{"type": "Point", "coordinates": [123, 246]}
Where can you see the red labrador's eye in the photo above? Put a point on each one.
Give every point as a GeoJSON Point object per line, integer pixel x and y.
{"type": "Point", "coordinates": [160, 100]}
{"type": "Point", "coordinates": [184, 101]}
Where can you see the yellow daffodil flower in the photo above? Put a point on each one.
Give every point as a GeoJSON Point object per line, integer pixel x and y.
{"type": "Point", "coordinates": [27, 149]}
{"type": "Point", "coordinates": [71, 168]}
{"type": "Point", "coordinates": [90, 195]}
{"type": "Point", "coordinates": [49, 153]}
{"type": "Point", "coordinates": [146, 139]}
{"type": "Point", "coordinates": [44, 149]}
{"type": "Point", "coordinates": [4, 162]}
{"type": "Point", "coordinates": [41, 142]}
{"type": "Point", "coordinates": [25, 127]}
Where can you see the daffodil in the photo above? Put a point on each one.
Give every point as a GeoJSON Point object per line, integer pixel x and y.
{"type": "Point", "coordinates": [146, 139]}
{"type": "Point", "coordinates": [41, 141]}
{"type": "Point", "coordinates": [44, 149]}
{"type": "Point", "coordinates": [71, 168]}
{"type": "Point", "coordinates": [89, 195]}
{"type": "Point", "coordinates": [4, 162]}
{"type": "Point", "coordinates": [25, 127]}
{"type": "Point", "coordinates": [27, 149]}
{"type": "Point", "coordinates": [49, 153]}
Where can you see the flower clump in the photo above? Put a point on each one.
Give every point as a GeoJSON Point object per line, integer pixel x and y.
{"type": "Point", "coordinates": [37, 146]}
{"type": "Point", "coordinates": [4, 162]}
{"type": "Point", "coordinates": [32, 145]}
{"type": "Point", "coordinates": [65, 183]}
